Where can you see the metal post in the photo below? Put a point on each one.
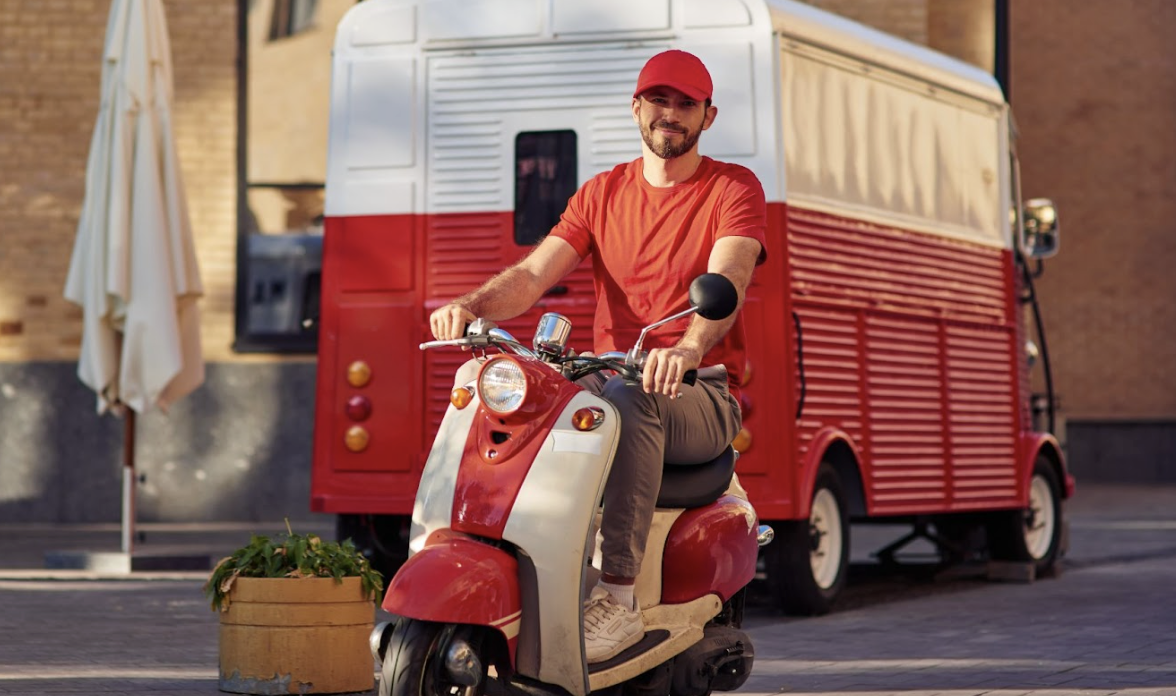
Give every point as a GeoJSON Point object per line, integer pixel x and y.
{"type": "Point", "coordinates": [128, 492]}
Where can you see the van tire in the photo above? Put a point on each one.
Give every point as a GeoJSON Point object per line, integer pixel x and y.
{"type": "Point", "coordinates": [808, 562]}
{"type": "Point", "coordinates": [1032, 534]}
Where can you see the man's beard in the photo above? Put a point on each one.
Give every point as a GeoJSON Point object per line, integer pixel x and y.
{"type": "Point", "coordinates": [666, 149]}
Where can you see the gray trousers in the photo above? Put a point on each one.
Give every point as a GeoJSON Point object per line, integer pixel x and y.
{"type": "Point", "coordinates": [656, 429]}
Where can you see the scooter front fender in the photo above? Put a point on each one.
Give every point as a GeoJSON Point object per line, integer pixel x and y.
{"type": "Point", "coordinates": [458, 580]}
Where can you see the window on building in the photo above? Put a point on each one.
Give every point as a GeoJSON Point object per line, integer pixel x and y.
{"type": "Point", "coordinates": [545, 178]}
{"type": "Point", "coordinates": [290, 17]}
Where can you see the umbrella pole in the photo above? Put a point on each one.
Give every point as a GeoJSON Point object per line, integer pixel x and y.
{"type": "Point", "coordinates": [128, 499]}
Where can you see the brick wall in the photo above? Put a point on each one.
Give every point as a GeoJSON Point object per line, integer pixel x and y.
{"type": "Point", "coordinates": [1094, 91]}
{"type": "Point", "coordinates": [905, 18]}
{"type": "Point", "coordinates": [50, 53]}
{"type": "Point", "coordinates": [1092, 87]}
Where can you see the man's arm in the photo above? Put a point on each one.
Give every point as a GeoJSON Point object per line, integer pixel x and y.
{"type": "Point", "coordinates": [734, 257]}
{"type": "Point", "coordinates": [511, 292]}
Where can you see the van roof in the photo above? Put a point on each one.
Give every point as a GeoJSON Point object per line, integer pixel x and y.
{"type": "Point", "coordinates": [805, 23]}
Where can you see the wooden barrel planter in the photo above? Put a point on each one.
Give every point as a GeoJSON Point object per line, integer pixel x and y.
{"type": "Point", "coordinates": [296, 636]}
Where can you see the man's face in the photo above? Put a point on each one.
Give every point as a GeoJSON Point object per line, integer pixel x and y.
{"type": "Point", "coordinates": [670, 121]}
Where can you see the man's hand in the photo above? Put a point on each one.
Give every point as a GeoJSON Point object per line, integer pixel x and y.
{"type": "Point", "coordinates": [665, 367]}
{"type": "Point", "coordinates": [449, 322]}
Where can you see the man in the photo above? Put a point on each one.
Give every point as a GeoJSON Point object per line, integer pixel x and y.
{"type": "Point", "coordinates": [651, 226]}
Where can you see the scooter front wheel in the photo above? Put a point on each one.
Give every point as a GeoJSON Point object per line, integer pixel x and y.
{"type": "Point", "coordinates": [414, 663]}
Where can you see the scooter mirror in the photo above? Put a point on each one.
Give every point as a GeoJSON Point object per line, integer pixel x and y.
{"type": "Point", "coordinates": [714, 296]}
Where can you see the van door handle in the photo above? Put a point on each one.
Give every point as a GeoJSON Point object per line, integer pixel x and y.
{"type": "Point", "coordinates": [556, 290]}
{"type": "Point", "coordinates": [799, 363]}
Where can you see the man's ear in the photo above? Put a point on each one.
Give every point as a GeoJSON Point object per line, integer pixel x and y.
{"type": "Point", "coordinates": [711, 113]}
{"type": "Point", "coordinates": [637, 110]}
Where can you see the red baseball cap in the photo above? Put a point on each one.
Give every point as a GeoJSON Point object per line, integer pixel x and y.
{"type": "Point", "coordinates": [677, 69]}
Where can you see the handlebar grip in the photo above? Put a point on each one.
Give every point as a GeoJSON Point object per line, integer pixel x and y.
{"type": "Point", "coordinates": [690, 377]}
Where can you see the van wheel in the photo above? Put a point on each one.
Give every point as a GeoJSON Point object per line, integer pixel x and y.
{"type": "Point", "coordinates": [1032, 534]}
{"type": "Point", "coordinates": [807, 563]}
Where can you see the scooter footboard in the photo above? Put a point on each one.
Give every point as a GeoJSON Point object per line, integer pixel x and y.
{"type": "Point", "coordinates": [457, 579]}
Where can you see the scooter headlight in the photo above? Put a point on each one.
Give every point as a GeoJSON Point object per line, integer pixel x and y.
{"type": "Point", "coordinates": [502, 386]}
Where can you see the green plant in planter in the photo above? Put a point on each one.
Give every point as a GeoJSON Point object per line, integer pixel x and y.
{"type": "Point", "coordinates": [293, 556]}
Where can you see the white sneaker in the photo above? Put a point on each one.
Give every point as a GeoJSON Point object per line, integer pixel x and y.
{"type": "Point", "coordinates": [609, 628]}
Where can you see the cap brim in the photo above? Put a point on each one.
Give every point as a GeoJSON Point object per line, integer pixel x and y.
{"type": "Point", "coordinates": [690, 91]}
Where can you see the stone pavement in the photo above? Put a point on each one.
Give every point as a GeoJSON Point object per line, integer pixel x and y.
{"type": "Point", "coordinates": [1106, 626]}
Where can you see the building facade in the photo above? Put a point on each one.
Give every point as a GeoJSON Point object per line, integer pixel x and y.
{"type": "Point", "coordinates": [1091, 84]}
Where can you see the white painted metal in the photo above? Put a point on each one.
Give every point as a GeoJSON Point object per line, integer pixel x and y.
{"type": "Point", "coordinates": [551, 521]}
{"type": "Point", "coordinates": [1044, 518]}
{"type": "Point", "coordinates": [429, 95]}
{"type": "Point", "coordinates": [825, 520]}
{"type": "Point", "coordinates": [433, 507]}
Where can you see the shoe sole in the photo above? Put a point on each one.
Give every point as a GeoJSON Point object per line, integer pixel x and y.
{"type": "Point", "coordinates": [620, 648]}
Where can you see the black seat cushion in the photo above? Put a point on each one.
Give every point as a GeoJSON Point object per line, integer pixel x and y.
{"type": "Point", "coordinates": [695, 485]}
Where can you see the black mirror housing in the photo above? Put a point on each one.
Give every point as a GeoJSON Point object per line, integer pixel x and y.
{"type": "Point", "coordinates": [714, 296]}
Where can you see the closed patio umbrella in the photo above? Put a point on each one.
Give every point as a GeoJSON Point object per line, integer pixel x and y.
{"type": "Point", "coordinates": [133, 269]}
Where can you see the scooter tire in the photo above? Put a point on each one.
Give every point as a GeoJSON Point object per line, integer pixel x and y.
{"type": "Point", "coordinates": [411, 667]}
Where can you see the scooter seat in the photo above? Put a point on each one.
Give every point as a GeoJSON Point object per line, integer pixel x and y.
{"type": "Point", "coordinates": [695, 485]}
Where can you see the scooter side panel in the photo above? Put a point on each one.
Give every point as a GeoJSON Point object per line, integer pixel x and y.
{"type": "Point", "coordinates": [710, 550]}
{"type": "Point", "coordinates": [552, 520]}
{"type": "Point", "coordinates": [456, 579]}
{"type": "Point", "coordinates": [433, 507]}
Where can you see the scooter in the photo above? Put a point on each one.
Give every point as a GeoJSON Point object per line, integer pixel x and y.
{"type": "Point", "coordinates": [504, 530]}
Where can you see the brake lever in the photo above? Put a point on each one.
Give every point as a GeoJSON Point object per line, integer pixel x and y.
{"type": "Point", "coordinates": [464, 341]}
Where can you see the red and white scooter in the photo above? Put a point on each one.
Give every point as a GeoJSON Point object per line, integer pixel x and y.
{"type": "Point", "coordinates": [504, 535]}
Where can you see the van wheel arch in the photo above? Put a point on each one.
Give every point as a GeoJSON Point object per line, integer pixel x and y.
{"type": "Point", "coordinates": [845, 463]}
{"type": "Point", "coordinates": [798, 561]}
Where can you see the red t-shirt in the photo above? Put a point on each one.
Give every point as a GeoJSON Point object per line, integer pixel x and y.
{"type": "Point", "coordinates": [648, 243]}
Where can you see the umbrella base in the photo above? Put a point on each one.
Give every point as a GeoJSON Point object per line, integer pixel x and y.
{"type": "Point", "coordinates": [121, 563]}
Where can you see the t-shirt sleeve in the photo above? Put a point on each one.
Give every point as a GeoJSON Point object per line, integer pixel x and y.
{"type": "Point", "coordinates": [574, 226]}
{"type": "Point", "coordinates": [744, 211]}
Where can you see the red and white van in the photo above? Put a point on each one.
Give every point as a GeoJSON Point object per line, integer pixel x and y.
{"type": "Point", "coordinates": [888, 377]}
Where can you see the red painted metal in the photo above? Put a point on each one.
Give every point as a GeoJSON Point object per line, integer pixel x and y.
{"type": "Point", "coordinates": [912, 355]}
{"type": "Point", "coordinates": [909, 345]}
{"type": "Point", "coordinates": [501, 449]}
{"type": "Point", "coordinates": [370, 311]}
{"type": "Point", "coordinates": [709, 550]}
{"type": "Point", "coordinates": [456, 579]}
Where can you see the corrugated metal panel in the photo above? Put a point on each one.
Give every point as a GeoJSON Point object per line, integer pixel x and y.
{"type": "Point", "coordinates": [468, 163]}
{"type": "Point", "coordinates": [614, 140]}
{"type": "Point", "coordinates": [908, 348]}
{"type": "Point", "coordinates": [982, 412]}
{"type": "Point", "coordinates": [832, 377]}
{"type": "Point", "coordinates": [462, 252]}
{"type": "Point", "coordinates": [856, 264]}
{"type": "Point", "coordinates": [519, 80]}
{"type": "Point", "coordinates": [477, 103]}
{"type": "Point", "coordinates": [904, 396]}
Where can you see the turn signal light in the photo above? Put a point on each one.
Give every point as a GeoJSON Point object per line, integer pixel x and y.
{"type": "Point", "coordinates": [359, 374]}
{"type": "Point", "coordinates": [747, 374]}
{"type": "Point", "coordinates": [742, 441]}
{"type": "Point", "coordinates": [356, 438]}
{"type": "Point", "coordinates": [461, 397]}
{"type": "Point", "coordinates": [588, 418]}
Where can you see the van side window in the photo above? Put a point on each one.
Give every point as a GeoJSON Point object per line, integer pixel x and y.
{"type": "Point", "coordinates": [545, 178]}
